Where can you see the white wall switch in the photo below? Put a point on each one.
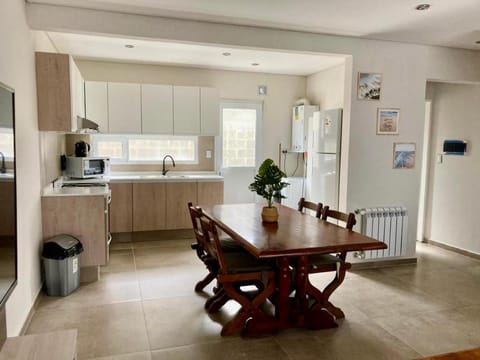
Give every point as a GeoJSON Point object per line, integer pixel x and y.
{"type": "Point", "coordinates": [439, 158]}
{"type": "Point", "coordinates": [208, 154]}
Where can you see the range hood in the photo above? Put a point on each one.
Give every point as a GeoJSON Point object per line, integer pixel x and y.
{"type": "Point", "coordinates": [85, 125]}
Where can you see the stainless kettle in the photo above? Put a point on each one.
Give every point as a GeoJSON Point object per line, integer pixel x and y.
{"type": "Point", "coordinates": [81, 149]}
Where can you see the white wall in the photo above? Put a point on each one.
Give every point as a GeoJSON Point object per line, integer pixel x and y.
{"type": "Point", "coordinates": [453, 186]}
{"type": "Point", "coordinates": [283, 90]}
{"type": "Point", "coordinates": [405, 69]}
{"type": "Point", "coordinates": [17, 69]}
{"type": "Point", "coordinates": [326, 88]}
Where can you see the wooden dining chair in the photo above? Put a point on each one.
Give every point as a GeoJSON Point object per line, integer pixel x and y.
{"type": "Point", "coordinates": [236, 271]}
{"type": "Point", "coordinates": [328, 262]}
{"type": "Point", "coordinates": [305, 204]}
{"type": "Point", "coordinates": [203, 251]}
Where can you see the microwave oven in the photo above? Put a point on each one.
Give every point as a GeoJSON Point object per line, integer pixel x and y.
{"type": "Point", "coordinates": [87, 167]}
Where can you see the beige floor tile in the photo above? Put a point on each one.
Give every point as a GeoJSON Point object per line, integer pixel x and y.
{"type": "Point", "coordinates": [148, 258]}
{"type": "Point", "coordinates": [121, 246]}
{"type": "Point", "coordinates": [175, 243]}
{"type": "Point", "coordinates": [228, 349]}
{"type": "Point", "coordinates": [168, 281]}
{"type": "Point", "coordinates": [365, 341]}
{"type": "Point", "coordinates": [120, 261]}
{"type": "Point", "coordinates": [135, 356]}
{"type": "Point", "coordinates": [436, 332]}
{"type": "Point", "coordinates": [181, 321]}
{"type": "Point", "coordinates": [120, 328]}
{"type": "Point", "coordinates": [102, 330]}
{"type": "Point", "coordinates": [111, 288]}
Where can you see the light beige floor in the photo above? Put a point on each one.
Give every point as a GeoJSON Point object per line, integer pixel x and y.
{"type": "Point", "coordinates": [144, 307]}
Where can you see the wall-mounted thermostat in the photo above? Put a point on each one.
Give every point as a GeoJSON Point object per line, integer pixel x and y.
{"type": "Point", "coordinates": [454, 147]}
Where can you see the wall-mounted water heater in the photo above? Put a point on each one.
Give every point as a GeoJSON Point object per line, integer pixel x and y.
{"type": "Point", "coordinates": [454, 147]}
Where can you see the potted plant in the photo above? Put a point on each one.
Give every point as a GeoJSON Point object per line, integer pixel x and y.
{"type": "Point", "coordinates": [268, 184]}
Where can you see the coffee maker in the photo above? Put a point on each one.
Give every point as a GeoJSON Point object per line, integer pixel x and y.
{"type": "Point", "coordinates": [81, 149]}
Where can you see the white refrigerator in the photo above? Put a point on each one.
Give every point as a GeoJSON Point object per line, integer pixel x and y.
{"type": "Point", "coordinates": [323, 157]}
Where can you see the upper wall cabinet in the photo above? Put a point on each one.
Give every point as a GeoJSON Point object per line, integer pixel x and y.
{"type": "Point", "coordinates": [124, 108]}
{"type": "Point", "coordinates": [157, 109]}
{"type": "Point", "coordinates": [186, 110]}
{"type": "Point", "coordinates": [209, 111]}
{"type": "Point", "coordinates": [59, 92]}
{"type": "Point", "coordinates": [96, 103]}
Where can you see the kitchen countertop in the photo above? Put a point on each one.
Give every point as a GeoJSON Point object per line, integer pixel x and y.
{"type": "Point", "coordinates": [7, 177]}
{"type": "Point", "coordinates": [117, 177]}
{"type": "Point", "coordinates": [49, 191]}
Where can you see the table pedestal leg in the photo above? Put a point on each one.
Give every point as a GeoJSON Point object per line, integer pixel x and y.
{"type": "Point", "coordinates": [282, 309]}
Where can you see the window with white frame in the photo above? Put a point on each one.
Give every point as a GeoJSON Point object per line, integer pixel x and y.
{"type": "Point", "coordinates": [146, 148]}
{"type": "Point", "coordinates": [6, 143]}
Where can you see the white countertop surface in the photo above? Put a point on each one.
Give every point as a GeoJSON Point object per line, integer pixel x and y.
{"type": "Point", "coordinates": [158, 177]}
{"type": "Point", "coordinates": [7, 177]}
{"type": "Point", "coordinates": [49, 191]}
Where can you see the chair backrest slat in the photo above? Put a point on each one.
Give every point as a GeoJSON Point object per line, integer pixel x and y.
{"type": "Point", "coordinates": [305, 204]}
{"type": "Point", "coordinates": [210, 232]}
{"type": "Point", "coordinates": [348, 219]}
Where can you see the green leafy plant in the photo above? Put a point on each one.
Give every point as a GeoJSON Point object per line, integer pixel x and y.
{"type": "Point", "coordinates": [268, 182]}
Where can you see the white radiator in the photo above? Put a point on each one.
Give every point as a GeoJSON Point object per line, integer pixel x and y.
{"type": "Point", "coordinates": [387, 224]}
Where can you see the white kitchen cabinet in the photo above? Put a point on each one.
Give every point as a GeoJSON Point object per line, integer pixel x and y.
{"type": "Point", "coordinates": [157, 109]}
{"type": "Point", "coordinates": [186, 110]}
{"type": "Point", "coordinates": [209, 111]}
{"type": "Point", "coordinates": [124, 108]}
{"type": "Point", "coordinates": [96, 103]}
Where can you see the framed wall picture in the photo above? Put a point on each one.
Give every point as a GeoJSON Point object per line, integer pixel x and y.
{"type": "Point", "coordinates": [387, 121]}
{"type": "Point", "coordinates": [403, 155]}
{"type": "Point", "coordinates": [369, 86]}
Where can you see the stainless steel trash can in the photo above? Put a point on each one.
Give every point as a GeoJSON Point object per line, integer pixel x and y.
{"type": "Point", "coordinates": [61, 260]}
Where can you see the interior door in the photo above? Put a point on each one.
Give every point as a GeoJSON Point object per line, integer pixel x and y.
{"type": "Point", "coordinates": [239, 148]}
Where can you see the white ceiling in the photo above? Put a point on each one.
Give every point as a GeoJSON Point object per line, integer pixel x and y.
{"type": "Point", "coordinates": [454, 23]}
{"type": "Point", "coordinates": [156, 52]}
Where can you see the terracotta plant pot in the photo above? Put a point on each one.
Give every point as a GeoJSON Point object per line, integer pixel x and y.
{"type": "Point", "coordinates": [270, 214]}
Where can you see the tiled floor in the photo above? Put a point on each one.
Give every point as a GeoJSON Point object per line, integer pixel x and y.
{"type": "Point", "coordinates": [144, 307]}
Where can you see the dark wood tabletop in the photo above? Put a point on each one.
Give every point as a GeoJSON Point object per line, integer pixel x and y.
{"type": "Point", "coordinates": [295, 234]}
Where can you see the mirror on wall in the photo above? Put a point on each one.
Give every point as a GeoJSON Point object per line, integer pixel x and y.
{"type": "Point", "coordinates": [8, 221]}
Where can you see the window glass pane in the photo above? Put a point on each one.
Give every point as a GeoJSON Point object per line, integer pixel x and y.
{"type": "Point", "coordinates": [6, 142]}
{"type": "Point", "coordinates": [145, 148]}
{"type": "Point", "coordinates": [111, 149]}
{"type": "Point", "coordinates": [156, 149]}
{"type": "Point", "coordinates": [239, 131]}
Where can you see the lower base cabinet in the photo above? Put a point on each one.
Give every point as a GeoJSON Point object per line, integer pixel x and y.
{"type": "Point", "coordinates": [82, 217]}
{"type": "Point", "coordinates": [149, 206]}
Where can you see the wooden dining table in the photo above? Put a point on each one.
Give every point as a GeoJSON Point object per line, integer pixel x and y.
{"type": "Point", "coordinates": [290, 241]}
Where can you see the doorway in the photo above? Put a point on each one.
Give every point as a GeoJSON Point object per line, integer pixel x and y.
{"type": "Point", "coordinates": [239, 148]}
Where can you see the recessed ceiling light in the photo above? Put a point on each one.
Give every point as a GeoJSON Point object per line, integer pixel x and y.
{"type": "Point", "coordinates": [226, 54]}
{"type": "Point", "coordinates": [422, 7]}
{"type": "Point", "coordinates": [255, 64]}
{"type": "Point", "coordinates": [129, 46]}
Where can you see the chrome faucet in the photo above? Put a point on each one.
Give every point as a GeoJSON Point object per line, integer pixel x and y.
{"type": "Point", "coordinates": [3, 170]}
{"type": "Point", "coordinates": [164, 172]}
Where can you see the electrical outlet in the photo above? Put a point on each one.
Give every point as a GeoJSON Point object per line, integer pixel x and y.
{"type": "Point", "coordinates": [208, 154]}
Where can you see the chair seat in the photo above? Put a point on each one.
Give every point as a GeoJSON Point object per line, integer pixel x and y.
{"type": "Point", "coordinates": [316, 261]}
{"type": "Point", "coordinates": [230, 245]}
{"type": "Point", "coordinates": [243, 262]}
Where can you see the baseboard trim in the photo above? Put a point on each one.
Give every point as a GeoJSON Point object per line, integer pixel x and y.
{"type": "Point", "coordinates": [382, 263]}
{"type": "Point", "coordinates": [452, 248]}
{"type": "Point", "coordinates": [34, 307]}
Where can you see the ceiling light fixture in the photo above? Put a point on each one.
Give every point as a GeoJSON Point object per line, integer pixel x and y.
{"type": "Point", "coordinates": [226, 54]}
{"type": "Point", "coordinates": [129, 46]}
{"type": "Point", "coordinates": [255, 64]}
{"type": "Point", "coordinates": [422, 7]}
{"type": "Point", "coordinates": [477, 42]}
